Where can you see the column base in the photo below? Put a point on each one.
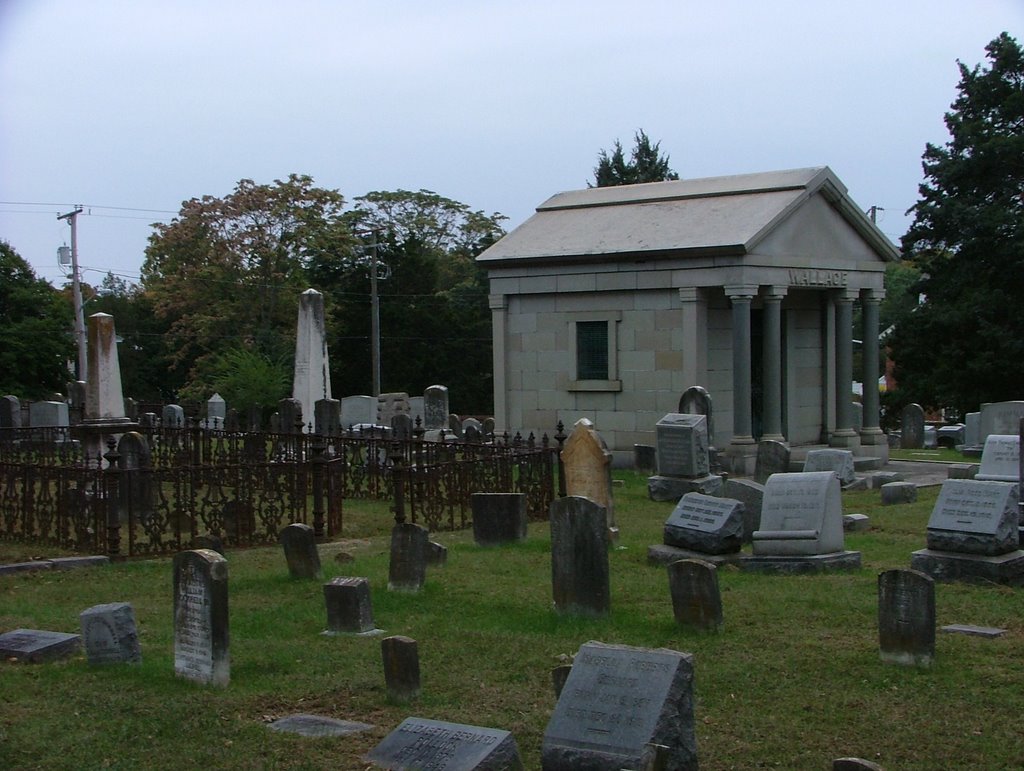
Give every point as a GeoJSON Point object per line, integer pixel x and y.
{"type": "Point", "coordinates": [773, 438]}
{"type": "Point", "coordinates": [874, 442]}
{"type": "Point", "coordinates": [845, 438]}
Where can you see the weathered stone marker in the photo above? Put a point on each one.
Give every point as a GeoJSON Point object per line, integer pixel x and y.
{"type": "Point", "coordinates": [110, 634]}
{"type": "Point", "coordinates": [906, 618]}
{"type": "Point", "coordinates": [1000, 460]}
{"type": "Point", "coordinates": [579, 557]}
{"type": "Point", "coordinates": [419, 743]}
{"type": "Point", "coordinates": [201, 649]}
{"type": "Point", "coordinates": [619, 701]}
{"type": "Point", "coordinates": [912, 427]}
{"type": "Point", "coordinates": [349, 609]}
{"type": "Point", "coordinates": [498, 518]}
{"type": "Point", "coordinates": [706, 524]}
{"type": "Point", "coordinates": [435, 407]}
{"type": "Point", "coordinates": [587, 462]}
{"type": "Point", "coordinates": [35, 646]}
{"type": "Point", "coordinates": [300, 551]}
{"type": "Point", "coordinates": [696, 599]}
{"type": "Point", "coordinates": [401, 668]}
{"type": "Point", "coordinates": [408, 567]}
{"type": "Point", "coordinates": [839, 461]}
{"type": "Point", "coordinates": [772, 458]}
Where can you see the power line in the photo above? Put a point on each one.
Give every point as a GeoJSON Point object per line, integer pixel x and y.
{"type": "Point", "coordinates": [85, 205]}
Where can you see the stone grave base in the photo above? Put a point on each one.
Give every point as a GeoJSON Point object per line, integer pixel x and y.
{"type": "Point", "coordinates": [971, 568]}
{"type": "Point", "coordinates": [790, 564]}
{"type": "Point", "coordinates": [663, 554]}
{"type": "Point", "coordinates": [661, 488]}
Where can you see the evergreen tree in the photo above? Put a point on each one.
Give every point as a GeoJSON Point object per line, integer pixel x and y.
{"type": "Point", "coordinates": [965, 344]}
{"type": "Point", "coordinates": [646, 164]}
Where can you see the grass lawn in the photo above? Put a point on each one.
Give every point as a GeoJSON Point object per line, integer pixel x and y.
{"type": "Point", "coordinates": [792, 681]}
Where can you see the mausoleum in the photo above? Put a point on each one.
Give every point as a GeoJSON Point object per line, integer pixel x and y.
{"type": "Point", "coordinates": [609, 302]}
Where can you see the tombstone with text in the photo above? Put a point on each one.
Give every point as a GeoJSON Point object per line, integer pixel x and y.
{"type": "Point", "coordinates": [201, 617]}
{"type": "Point", "coordinates": [110, 634]}
{"type": "Point", "coordinates": [839, 461]}
{"type": "Point", "coordinates": [587, 463]}
{"type": "Point", "coordinates": [906, 618]}
{"type": "Point", "coordinates": [1000, 460]}
{"type": "Point", "coordinates": [681, 446]}
{"type": "Point", "coordinates": [419, 743]}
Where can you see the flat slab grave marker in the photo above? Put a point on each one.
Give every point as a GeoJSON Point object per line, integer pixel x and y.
{"type": "Point", "coordinates": [704, 523]}
{"type": "Point", "coordinates": [419, 743]}
{"type": "Point", "coordinates": [300, 552]}
{"type": "Point", "coordinates": [906, 618]}
{"type": "Point", "coordinates": [1000, 460]}
{"type": "Point", "coordinates": [35, 646]}
{"type": "Point", "coordinates": [317, 726]}
{"type": "Point", "coordinates": [110, 634]}
{"type": "Point", "coordinates": [201, 617]}
{"type": "Point", "coordinates": [682, 445]}
{"type": "Point", "coordinates": [619, 701]}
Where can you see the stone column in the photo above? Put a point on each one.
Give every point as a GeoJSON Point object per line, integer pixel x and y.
{"type": "Point", "coordinates": [772, 363]}
{"type": "Point", "coordinates": [499, 314]}
{"type": "Point", "coordinates": [871, 434]}
{"type": "Point", "coordinates": [693, 338]}
{"type": "Point", "coordinates": [742, 446]}
{"type": "Point", "coordinates": [844, 435]}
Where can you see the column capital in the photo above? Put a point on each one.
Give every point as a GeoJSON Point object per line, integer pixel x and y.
{"type": "Point", "coordinates": [846, 295]}
{"type": "Point", "coordinates": [872, 295]}
{"type": "Point", "coordinates": [774, 292]}
{"type": "Point", "coordinates": [740, 291]}
{"type": "Point", "coordinates": [689, 294]}
{"type": "Point", "coordinates": [497, 302]}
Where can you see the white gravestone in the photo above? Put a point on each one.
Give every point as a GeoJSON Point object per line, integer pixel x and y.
{"type": "Point", "coordinates": [201, 617]}
{"type": "Point", "coordinates": [802, 514]}
{"type": "Point", "coordinates": [1000, 460]}
{"type": "Point", "coordinates": [975, 517]}
{"type": "Point", "coordinates": [839, 461]}
{"type": "Point", "coordinates": [1000, 418]}
{"type": "Point", "coordinates": [312, 374]}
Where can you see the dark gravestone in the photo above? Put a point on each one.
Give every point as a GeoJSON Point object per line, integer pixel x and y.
{"type": "Point", "coordinates": [289, 412]}
{"type": "Point", "coordinates": [772, 458]}
{"type": "Point", "coordinates": [896, 493]}
{"type": "Point", "coordinates": [419, 744]}
{"type": "Point", "coordinates": [131, 409]}
{"type": "Point", "coordinates": [35, 646]}
{"type": "Point", "coordinates": [645, 458]}
{"type": "Point", "coordinates": [300, 551]}
{"type": "Point", "coordinates": [233, 420]}
{"type": "Point", "coordinates": [455, 425]}
{"type": "Point", "coordinates": [408, 567]}
{"type": "Point", "coordinates": [135, 484]}
{"type": "Point", "coordinates": [435, 407]}
{"type": "Point", "coordinates": [579, 557]}
{"type": "Point", "coordinates": [201, 617]}
{"type": "Point", "coordinates": [10, 412]}
{"type": "Point", "coordinates": [751, 495]}
{"type": "Point", "coordinates": [349, 609]}
{"type": "Point", "coordinates": [110, 635]}
{"type": "Point", "coordinates": [148, 420]}
{"type": "Point", "coordinates": [437, 554]}
{"type": "Point", "coordinates": [498, 518]}
{"type": "Point", "coordinates": [703, 523]}
{"type": "Point", "coordinates": [327, 417]}
{"type": "Point", "coordinates": [696, 599]}
{"type": "Point", "coordinates": [697, 401]}
{"type": "Point", "coordinates": [972, 517]}
{"type": "Point", "coordinates": [401, 659]}
{"type": "Point", "coordinates": [317, 726]}
{"type": "Point", "coordinates": [616, 704]}
{"type": "Point", "coordinates": [906, 618]}
{"type": "Point", "coordinates": [401, 426]}
{"type": "Point", "coordinates": [682, 445]}
{"type": "Point", "coordinates": [912, 427]}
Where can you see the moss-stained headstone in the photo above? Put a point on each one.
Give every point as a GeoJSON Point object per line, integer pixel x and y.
{"type": "Point", "coordinates": [201, 617]}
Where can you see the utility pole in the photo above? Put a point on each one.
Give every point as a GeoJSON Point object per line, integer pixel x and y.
{"type": "Point", "coordinates": [374, 317]}
{"type": "Point", "coordinates": [873, 213]}
{"type": "Point", "coordinates": [76, 290]}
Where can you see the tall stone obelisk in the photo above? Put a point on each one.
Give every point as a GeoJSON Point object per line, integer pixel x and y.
{"type": "Point", "coordinates": [104, 399]}
{"type": "Point", "coordinates": [312, 380]}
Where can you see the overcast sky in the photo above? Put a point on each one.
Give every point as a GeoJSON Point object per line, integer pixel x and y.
{"type": "Point", "coordinates": [128, 106]}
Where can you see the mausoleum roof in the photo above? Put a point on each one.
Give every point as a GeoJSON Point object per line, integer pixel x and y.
{"type": "Point", "coordinates": [713, 215]}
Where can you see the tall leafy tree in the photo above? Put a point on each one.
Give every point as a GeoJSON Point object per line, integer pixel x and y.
{"type": "Point", "coordinates": [645, 164]}
{"type": "Point", "coordinates": [965, 343]}
{"type": "Point", "coordinates": [35, 322]}
{"type": "Point", "coordinates": [227, 272]}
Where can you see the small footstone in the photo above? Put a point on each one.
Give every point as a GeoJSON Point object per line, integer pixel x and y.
{"type": "Point", "coordinates": [317, 726]}
{"type": "Point", "coordinates": [977, 631]}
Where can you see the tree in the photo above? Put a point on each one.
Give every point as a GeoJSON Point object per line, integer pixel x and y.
{"type": "Point", "coordinates": [227, 272]}
{"type": "Point", "coordinates": [965, 343]}
{"type": "Point", "coordinates": [35, 321]}
{"type": "Point", "coordinates": [646, 164]}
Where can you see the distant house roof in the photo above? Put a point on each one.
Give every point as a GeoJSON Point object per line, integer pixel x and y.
{"type": "Point", "coordinates": [714, 215]}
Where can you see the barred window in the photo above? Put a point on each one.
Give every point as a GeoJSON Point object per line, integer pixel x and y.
{"type": "Point", "coordinates": [592, 350]}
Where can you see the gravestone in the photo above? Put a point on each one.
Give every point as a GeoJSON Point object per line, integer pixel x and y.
{"type": "Point", "coordinates": [299, 542]}
{"type": "Point", "coordinates": [389, 405]}
{"type": "Point", "coordinates": [751, 495]}
{"type": "Point", "coordinates": [972, 429]}
{"type": "Point", "coordinates": [172, 416]}
{"type": "Point", "coordinates": [587, 463]}
{"type": "Point", "coordinates": [696, 599]}
{"type": "Point", "coordinates": [76, 400]}
{"type": "Point", "coordinates": [1000, 460]}
{"type": "Point", "coordinates": [772, 458]}
{"type": "Point", "coordinates": [682, 445]}
{"type": "Point", "coordinates": [327, 417]}
{"type": "Point", "coordinates": [10, 412]}
{"type": "Point", "coordinates": [401, 659]}
{"type": "Point", "coordinates": [36, 646]}
{"type": "Point", "coordinates": [233, 421]}
{"type": "Point", "coordinates": [408, 566]}
{"type": "Point", "coordinates": [349, 609]}
{"type": "Point", "coordinates": [416, 409]}
{"type": "Point", "coordinates": [705, 524]}
{"type": "Point", "coordinates": [311, 380]}
{"type": "Point", "coordinates": [135, 485]}
{"type": "Point", "coordinates": [437, 554]}
{"type": "Point", "coordinates": [104, 399]}
{"type": "Point", "coordinates": [1000, 418]}
{"type": "Point", "coordinates": [697, 401]}
{"type": "Point", "coordinates": [973, 534]}
{"type": "Point", "coordinates": [912, 427]}
{"type": "Point", "coordinates": [209, 541]}
{"type": "Point", "coordinates": [148, 420]}
{"type": "Point", "coordinates": [906, 618]}
{"type": "Point", "coordinates": [419, 743]}
{"type": "Point", "coordinates": [110, 635]}
{"type": "Point", "coordinates": [498, 518]}
{"type": "Point", "coordinates": [619, 701]}
{"type": "Point", "coordinates": [358, 411]}
{"type": "Point", "coordinates": [455, 425]}
{"type": "Point", "coordinates": [472, 430]}
{"type": "Point", "coordinates": [48, 415]}
{"type": "Point", "coordinates": [216, 413]}
{"type": "Point", "coordinates": [401, 426]}
{"type": "Point", "coordinates": [645, 458]}
{"type": "Point", "coordinates": [131, 408]}
{"type": "Point", "coordinates": [317, 726]}
{"type": "Point", "coordinates": [801, 526]}
{"type": "Point", "coordinates": [201, 617]}
{"type": "Point", "coordinates": [895, 493]}
{"type": "Point", "coordinates": [290, 416]}
{"type": "Point", "coordinates": [839, 461]}
{"type": "Point", "coordinates": [579, 557]}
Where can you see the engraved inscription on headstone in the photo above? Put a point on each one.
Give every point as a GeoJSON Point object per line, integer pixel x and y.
{"type": "Point", "coordinates": [422, 744]}
{"type": "Point", "coordinates": [682, 445]}
{"type": "Point", "coordinates": [36, 645]}
{"type": "Point", "coordinates": [906, 617]}
{"type": "Point", "coordinates": [110, 635]}
{"type": "Point", "coordinates": [975, 517]}
{"type": "Point", "coordinates": [201, 617]}
{"type": "Point", "coordinates": [706, 524]}
{"type": "Point", "coordinates": [1000, 460]}
{"type": "Point", "coordinates": [801, 515]}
